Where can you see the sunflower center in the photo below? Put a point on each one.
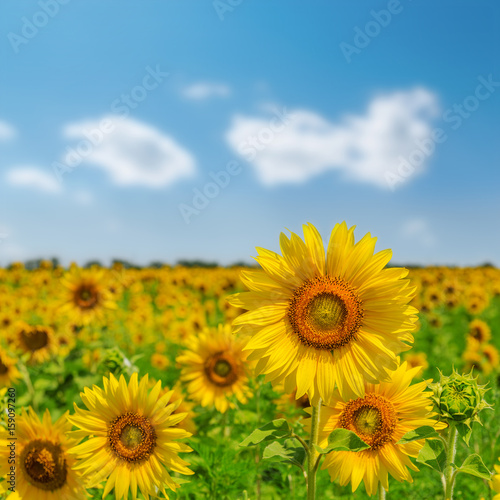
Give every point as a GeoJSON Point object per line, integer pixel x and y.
{"type": "Point", "coordinates": [86, 297]}
{"type": "Point", "coordinates": [372, 418]}
{"type": "Point", "coordinates": [44, 464]}
{"type": "Point", "coordinates": [35, 339]}
{"type": "Point", "coordinates": [325, 313]}
{"type": "Point", "coordinates": [220, 370]}
{"type": "Point", "coordinates": [132, 437]}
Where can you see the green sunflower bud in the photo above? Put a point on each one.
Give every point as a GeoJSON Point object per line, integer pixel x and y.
{"type": "Point", "coordinates": [115, 362]}
{"type": "Point", "coordinates": [458, 399]}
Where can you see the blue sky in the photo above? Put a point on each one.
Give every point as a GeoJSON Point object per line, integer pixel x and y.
{"type": "Point", "coordinates": [336, 96]}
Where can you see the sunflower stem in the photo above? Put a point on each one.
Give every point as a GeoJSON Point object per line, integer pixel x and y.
{"type": "Point", "coordinates": [449, 475]}
{"type": "Point", "coordinates": [381, 491]}
{"type": "Point", "coordinates": [312, 455]}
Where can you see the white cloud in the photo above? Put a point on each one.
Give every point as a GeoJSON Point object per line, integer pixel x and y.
{"type": "Point", "coordinates": [33, 177]}
{"type": "Point", "coordinates": [131, 152]}
{"type": "Point", "coordinates": [418, 230]}
{"type": "Point", "coordinates": [205, 90]}
{"type": "Point", "coordinates": [363, 148]}
{"type": "Point", "coordinates": [7, 131]}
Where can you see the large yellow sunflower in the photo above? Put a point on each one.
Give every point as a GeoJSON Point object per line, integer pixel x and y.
{"type": "Point", "coordinates": [44, 469]}
{"type": "Point", "coordinates": [87, 296]}
{"type": "Point", "coordinates": [386, 412]}
{"type": "Point", "coordinates": [131, 438]}
{"type": "Point", "coordinates": [215, 368]}
{"type": "Point", "coordinates": [316, 322]}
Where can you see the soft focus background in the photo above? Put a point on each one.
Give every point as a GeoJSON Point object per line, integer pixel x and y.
{"type": "Point", "coordinates": [115, 118]}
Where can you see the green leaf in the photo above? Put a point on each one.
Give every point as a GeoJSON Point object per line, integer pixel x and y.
{"type": "Point", "coordinates": [420, 433]}
{"type": "Point", "coordinates": [290, 452]}
{"type": "Point", "coordinates": [474, 466]}
{"type": "Point", "coordinates": [343, 440]}
{"type": "Point", "coordinates": [273, 430]}
{"type": "Point", "coordinates": [433, 454]}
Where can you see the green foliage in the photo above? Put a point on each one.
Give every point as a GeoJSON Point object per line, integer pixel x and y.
{"type": "Point", "coordinates": [474, 466]}
{"type": "Point", "coordinates": [273, 430]}
{"type": "Point", "coordinates": [423, 432]}
{"type": "Point", "coordinates": [343, 440]}
{"type": "Point", "coordinates": [433, 454]}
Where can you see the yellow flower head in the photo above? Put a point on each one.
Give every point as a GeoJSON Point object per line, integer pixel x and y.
{"type": "Point", "coordinates": [44, 468]}
{"type": "Point", "coordinates": [319, 322]}
{"type": "Point", "coordinates": [380, 418]}
{"type": "Point", "coordinates": [215, 368]}
{"type": "Point", "coordinates": [131, 437]}
{"type": "Point", "coordinates": [87, 296]}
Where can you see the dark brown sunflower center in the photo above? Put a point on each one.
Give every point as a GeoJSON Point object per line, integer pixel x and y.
{"type": "Point", "coordinates": [132, 437]}
{"type": "Point", "coordinates": [325, 313]}
{"type": "Point", "coordinates": [221, 370]}
{"type": "Point", "coordinates": [35, 339]}
{"type": "Point", "coordinates": [477, 333]}
{"type": "Point", "coordinates": [44, 465]}
{"type": "Point", "coordinates": [86, 296]}
{"type": "Point", "coordinates": [372, 418]}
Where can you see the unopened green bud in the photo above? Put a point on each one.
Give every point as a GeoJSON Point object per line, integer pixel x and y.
{"type": "Point", "coordinates": [458, 399]}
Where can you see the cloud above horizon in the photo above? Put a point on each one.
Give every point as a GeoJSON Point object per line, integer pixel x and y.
{"type": "Point", "coordinates": [131, 152]}
{"type": "Point", "coordinates": [7, 131]}
{"type": "Point", "coordinates": [363, 148]}
{"type": "Point", "coordinates": [34, 178]}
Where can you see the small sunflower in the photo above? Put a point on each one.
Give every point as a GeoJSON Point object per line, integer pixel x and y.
{"type": "Point", "coordinates": [38, 340]}
{"type": "Point", "coordinates": [87, 296]}
{"type": "Point", "coordinates": [479, 330]}
{"type": "Point", "coordinates": [9, 374]}
{"type": "Point", "coordinates": [131, 438]}
{"type": "Point", "coordinates": [44, 466]}
{"type": "Point", "coordinates": [215, 368]}
{"type": "Point", "coordinates": [316, 322]}
{"type": "Point", "coordinates": [386, 412]}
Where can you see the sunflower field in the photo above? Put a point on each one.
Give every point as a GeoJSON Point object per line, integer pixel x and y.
{"type": "Point", "coordinates": [323, 372]}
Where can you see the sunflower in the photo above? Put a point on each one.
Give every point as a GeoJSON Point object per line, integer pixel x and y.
{"type": "Point", "coordinates": [9, 374]}
{"type": "Point", "coordinates": [87, 296]}
{"type": "Point", "coordinates": [38, 340]}
{"type": "Point", "coordinates": [386, 412]}
{"type": "Point", "coordinates": [44, 467]}
{"type": "Point", "coordinates": [131, 438]}
{"type": "Point", "coordinates": [215, 368]}
{"type": "Point", "coordinates": [479, 330]}
{"type": "Point", "coordinates": [316, 322]}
